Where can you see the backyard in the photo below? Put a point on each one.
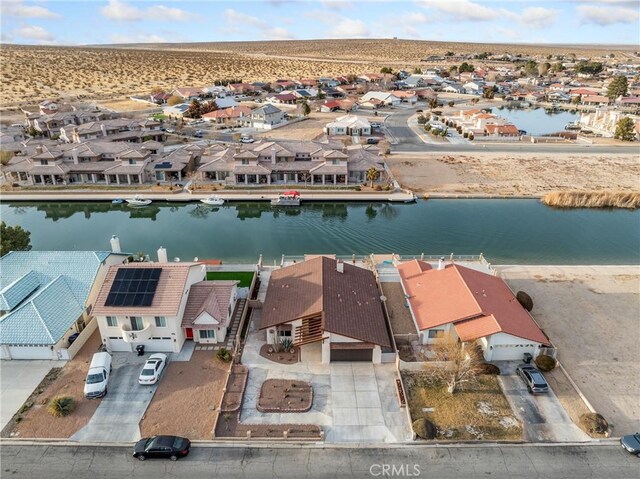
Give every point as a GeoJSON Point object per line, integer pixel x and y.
{"type": "Point", "coordinates": [245, 277]}
{"type": "Point", "coordinates": [478, 412]}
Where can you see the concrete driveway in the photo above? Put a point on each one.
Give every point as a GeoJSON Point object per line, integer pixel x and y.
{"type": "Point", "coordinates": [120, 412]}
{"type": "Point", "coordinates": [352, 402]}
{"type": "Point", "coordinates": [543, 417]}
{"type": "Point", "coordinates": [18, 379]}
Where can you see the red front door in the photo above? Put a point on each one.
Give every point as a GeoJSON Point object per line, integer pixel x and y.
{"type": "Point", "coordinates": [189, 332]}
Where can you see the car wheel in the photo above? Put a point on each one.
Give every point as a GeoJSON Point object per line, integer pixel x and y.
{"type": "Point", "coordinates": [173, 457]}
{"type": "Point", "coordinates": [142, 457]}
{"type": "Point", "coordinates": [638, 454]}
{"type": "Point", "coordinates": [529, 389]}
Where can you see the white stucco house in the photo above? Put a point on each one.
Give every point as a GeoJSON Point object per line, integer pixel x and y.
{"type": "Point", "coordinates": [472, 306]}
{"type": "Point", "coordinates": [348, 125]}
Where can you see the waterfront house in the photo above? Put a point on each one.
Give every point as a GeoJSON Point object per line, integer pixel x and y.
{"type": "Point", "coordinates": [595, 100]}
{"type": "Point", "coordinates": [472, 306]}
{"type": "Point", "coordinates": [46, 297]}
{"type": "Point", "coordinates": [329, 309]}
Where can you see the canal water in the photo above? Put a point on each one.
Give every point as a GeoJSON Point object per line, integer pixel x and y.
{"type": "Point", "coordinates": [537, 121]}
{"type": "Point", "coordinates": [506, 231]}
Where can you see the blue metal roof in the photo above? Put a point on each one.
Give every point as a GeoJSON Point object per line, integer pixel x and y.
{"type": "Point", "coordinates": [65, 279]}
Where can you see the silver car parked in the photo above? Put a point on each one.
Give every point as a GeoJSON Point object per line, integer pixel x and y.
{"type": "Point", "coordinates": [533, 378]}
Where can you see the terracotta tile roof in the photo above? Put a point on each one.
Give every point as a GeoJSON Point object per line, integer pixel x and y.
{"type": "Point", "coordinates": [212, 297]}
{"type": "Point", "coordinates": [477, 303]}
{"type": "Point", "coordinates": [348, 302]}
{"type": "Point", "coordinates": [169, 292]}
{"type": "Point", "coordinates": [595, 99]}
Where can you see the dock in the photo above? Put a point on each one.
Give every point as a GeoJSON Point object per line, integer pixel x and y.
{"type": "Point", "coordinates": [184, 197]}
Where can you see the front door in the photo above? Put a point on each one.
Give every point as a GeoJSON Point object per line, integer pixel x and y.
{"type": "Point", "coordinates": [189, 333]}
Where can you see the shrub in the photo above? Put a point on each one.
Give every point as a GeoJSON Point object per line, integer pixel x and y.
{"type": "Point", "coordinates": [490, 369]}
{"type": "Point", "coordinates": [61, 406]}
{"type": "Point", "coordinates": [525, 300]}
{"type": "Point", "coordinates": [451, 103]}
{"type": "Point", "coordinates": [224, 355]}
{"type": "Point", "coordinates": [424, 429]}
{"type": "Point", "coordinates": [286, 344]}
{"type": "Point", "coordinates": [465, 134]}
{"type": "Point", "coordinates": [594, 423]}
{"type": "Point", "coordinates": [377, 188]}
{"type": "Point", "coordinates": [471, 136]}
{"type": "Point", "coordinates": [421, 120]}
{"type": "Point", "coordinates": [545, 363]}
{"type": "Point", "coordinates": [357, 188]}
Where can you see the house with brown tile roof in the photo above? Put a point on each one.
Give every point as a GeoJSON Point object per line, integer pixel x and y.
{"type": "Point", "coordinates": [144, 304]}
{"type": "Point", "coordinates": [327, 308]}
{"type": "Point", "coordinates": [209, 309]}
{"type": "Point", "coordinates": [472, 306]}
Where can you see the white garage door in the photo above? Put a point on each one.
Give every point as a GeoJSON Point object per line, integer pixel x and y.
{"type": "Point", "coordinates": [30, 352]}
{"type": "Point", "coordinates": [159, 345]}
{"type": "Point", "coordinates": [118, 345]}
{"type": "Point", "coordinates": [511, 352]}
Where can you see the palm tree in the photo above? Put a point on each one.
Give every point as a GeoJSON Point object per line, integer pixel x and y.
{"type": "Point", "coordinates": [372, 175]}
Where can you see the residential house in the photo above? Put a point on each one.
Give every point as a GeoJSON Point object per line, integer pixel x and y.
{"type": "Point", "coordinates": [225, 102]}
{"type": "Point", "coordinates": [49, 125]}
{"type": "Point", "coordinates": [282, 98]}
{"type": "Point", "coordinates": [237, 116]}
{"type": "Point", "coordinates": [209, 311]}
{"type": "Point", "coordinates": [595, 100]}
{"type": "Point", "coordinates": [348, 125]}
{"type": "Point", "coordinates": [305, 94]}
{"type": "Point", "coordinates": [291, 163]}
{"type": "Point", "coordinates": [559, 96]}
{"type": "Point", "coordinates": [452, 87]}
{"type": "Point", "coordinates": [119, 129]}
{"type": "Point", "coordinates": [188, 93]}
{"type": "Point", "coordinates": [48, 107]}
{"type": "Point", "coordinates": [408, 96]}
{"type": "Point", "coordinates": [473, 87]}
{"type": "Point", "coordinates": [629, 104]}
{"type": "Point", "coordinates": [242, 88]}
{"type": "Point", "coordinates": [506, 131]}
{"type": "Point", "coordinates": [470, 305]}
{"type": "Point", "coordinates": [387, 98]}
{"type": "Point", "coordinates": [328, 309]}
{"type": "Point", "coordinates": [128, 318]}
{"type": "Point", "coordinates": [159, 98]}
{"type": "Point", "coordinates": [266, 117]}
{"type": "Point", "coordinates": [176, 111]}
{"type": "Point", "coordinates": [45, 297]}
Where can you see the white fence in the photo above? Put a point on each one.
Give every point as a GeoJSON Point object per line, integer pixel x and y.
{"type": "Point", "coordinates": [71, 351]}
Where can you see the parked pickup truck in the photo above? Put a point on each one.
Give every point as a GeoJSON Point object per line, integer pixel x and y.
{"type": "Point", "coordinates": [98, 376]}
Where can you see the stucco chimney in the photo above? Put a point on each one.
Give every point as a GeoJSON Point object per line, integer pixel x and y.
{"type": "Point", "coordinates": [104, 129]}
{"type": "Point", "coordinates": [162, 255]}
{"type": "Point", "coordinates": [115, 244]}
{"type": "Point", "coordinates": [74, 153]}
{"type": "Point", "coordinates": [39, 149]}
{"type": "Point", "coordinates": [273, 155]}
{"type": "Point", "coordinates": [339, 266]}
{"type": "Point", "coordinates": [441, 263]}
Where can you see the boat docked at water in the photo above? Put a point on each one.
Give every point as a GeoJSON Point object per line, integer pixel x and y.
{"type": "Point", "coordinates": [572, 125]}
{"type": "Point", "coordinates": [117, 201]}
{"type": "Point", "coordinates": [288, 198]}
{"type": "Point", "coordinates": [138, 201]}
{"type": "Point", "coordinates": [213, 200]}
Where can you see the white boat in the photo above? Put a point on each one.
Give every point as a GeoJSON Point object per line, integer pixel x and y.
{"type": "Point", "coordinates": [138, 201]}
{"type": "Point", "coordinates": [572, 125]}
{"type": "Point", "coordinates": [213, 201]}
{"type": "Point", "coordinates": [288, 198]}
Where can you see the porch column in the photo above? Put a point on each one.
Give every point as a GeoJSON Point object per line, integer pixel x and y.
{"type": "Point", "coordinates": [117, 179]}
{"type": "Point", "coordinates": [269, 179]}
{"type": "Point", "coordinates": [246, 179]}
{"type": "Point", "coordinates": [140, 178]}
{"type": "Point", "coordinates": [128, 179]}
{"type": "Point", "coordinates": [335, 179]}
{"type": "Point", "coordinates": [53, 179]}
{"type": "Point", "coordinates": [346, 178]}
{"type": "Point", "coordinates": [106, 179]}
{"type": "Point", "coordinates": [311, 174]}
{"type": "Point", "coordinates": [323, 179]}
{"type": "Point", "coordinates": [179, 175]}
{"type": "Point", "coordinates": [296, 177]}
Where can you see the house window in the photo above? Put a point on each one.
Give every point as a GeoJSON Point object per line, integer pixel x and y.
{"type": "Point", "coordinates": [207, 334]}
{"type": "Point", "coordinates": [161, 322]}
{"type": "Point", "coordinates": [245, 162]}
{"type": "Point", "coordinates": [436, 333]}
{"type": "Point", "coordinates": [132, 162]}
{"type": "Point", "coordinates": [112, 321]}
{"type": "Point", "coordinates": [136, 323]}
{"type": "Point", "coordinates": [285, 334]}
{"type": "Point", "coordinates": [44, 162]}
{"type": "Point", "coordinates": [336, 162]}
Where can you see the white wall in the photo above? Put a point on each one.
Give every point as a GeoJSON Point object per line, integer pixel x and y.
{"type": "Point", "coordinates": [502, 347]}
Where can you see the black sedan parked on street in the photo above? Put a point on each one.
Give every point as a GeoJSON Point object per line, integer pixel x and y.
{"type": "Point", "coordinates": [173, 447]}
{"type": "Point", "coordinates": [631, 443]}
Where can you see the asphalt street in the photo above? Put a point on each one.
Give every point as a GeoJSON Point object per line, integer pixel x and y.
{"type": "Point", "coordinates": [495, 461]}
{"type": "Point", "coordinates": [408, 141]}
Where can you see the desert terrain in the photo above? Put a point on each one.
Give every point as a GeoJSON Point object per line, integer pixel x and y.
{"type": "Point", "coordinates": [520, 174]}
{"type": "Point", "coordinates": [32, 73]}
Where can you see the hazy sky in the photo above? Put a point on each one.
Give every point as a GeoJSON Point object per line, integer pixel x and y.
{"type": "Point", "coordinates": [119, 21]}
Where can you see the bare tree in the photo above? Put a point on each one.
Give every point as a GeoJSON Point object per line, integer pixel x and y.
{"type": "Point", "coordinates": [463, 362]}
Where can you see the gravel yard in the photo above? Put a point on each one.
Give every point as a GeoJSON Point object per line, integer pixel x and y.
{"type": "Point", "coordinates": [399, 314]}
{"type": "Point", "coordinates": [186, 398]}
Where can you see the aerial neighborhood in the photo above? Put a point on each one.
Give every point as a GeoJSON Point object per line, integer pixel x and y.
{"type": "Point", "coordinates": [260, 260]}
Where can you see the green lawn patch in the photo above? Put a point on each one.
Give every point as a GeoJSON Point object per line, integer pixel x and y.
{"type": "Point", "coordinates": [245, 278]}
{"type": "Point", "coordinates": [479, 412]}
{"type": "Point", "coordinates": [160, 116]}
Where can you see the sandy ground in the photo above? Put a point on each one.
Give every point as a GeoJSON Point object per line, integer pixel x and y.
{"type": "Point", "coordinates": [308, 129]}
{"type": "Point", "coordinates": [128, 105]}
{"type": "Point", "coordinates": [38, 423]}
{"type": "Point", "coordinates": [185, 400]}
{"type": "Point", "coordinates": [400, 317]}
{"type": "Point", "coordinates": [526, 174]}
{"type": "Point", "coordinates": [591, 315]}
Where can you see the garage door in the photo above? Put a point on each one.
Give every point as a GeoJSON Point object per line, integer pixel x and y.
{"type": "Point", "coordinates": [118, 345]}
{"type": "Point", "coordinates": [511, 352]}
{"type": "Point", "coordinates": [351, 355]}
{"type": "Point", "coordinates": [30, 352]}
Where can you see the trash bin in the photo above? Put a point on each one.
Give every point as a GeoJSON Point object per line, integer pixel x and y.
{"type": "Point", "coordinates": [140, 349]}
{"type": "Point", "coordinates": [527, 358]}
{"type": "Point", "coordinates": [73, 337]}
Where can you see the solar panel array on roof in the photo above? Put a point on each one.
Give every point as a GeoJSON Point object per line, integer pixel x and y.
{"type": "Point", "coordinates": [163, 165]}
{"type": "Point", "coordinates": [133, 287]}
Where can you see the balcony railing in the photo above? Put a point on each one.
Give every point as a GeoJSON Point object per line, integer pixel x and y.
{"type": "Point", "coordinates": [132, 336]}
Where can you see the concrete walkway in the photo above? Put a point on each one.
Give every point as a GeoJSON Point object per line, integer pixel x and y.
{"type": "Point", "coordinates": [353, 402]}
{"type": "Point", "coordinates": [543, 417]}
{"type": "Point", "coordinates": [18, 379]}
{"type": "Point", "coordinates": [120, 412]}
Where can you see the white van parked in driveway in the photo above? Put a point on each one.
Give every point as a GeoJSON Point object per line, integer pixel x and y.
{"type": "Point", "coordinates": [98, 376]}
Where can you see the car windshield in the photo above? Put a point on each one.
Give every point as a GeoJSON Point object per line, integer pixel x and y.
{"type": "Point", "coordinates": [537, 378]}
{"type": "Point", "coordinates": [95, 378]}
{"type": "Point", "coordinates": [147, 372]}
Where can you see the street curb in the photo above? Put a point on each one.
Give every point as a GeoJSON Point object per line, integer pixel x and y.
{"type": "Point", "coordinates": [575, 386]}
{"type": "Point", "coordinates": [319, 445]}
